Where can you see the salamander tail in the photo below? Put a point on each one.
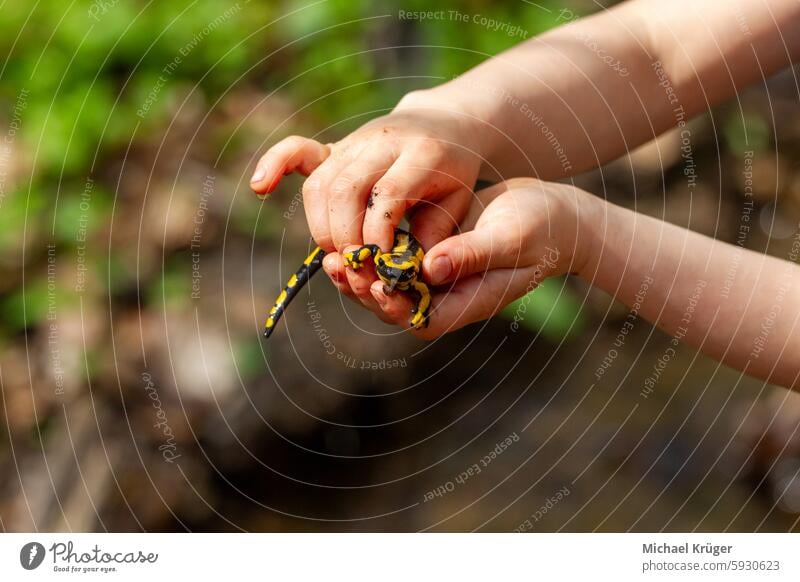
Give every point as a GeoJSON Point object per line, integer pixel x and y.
{"type": "Point", "coordinates": [296, 282]}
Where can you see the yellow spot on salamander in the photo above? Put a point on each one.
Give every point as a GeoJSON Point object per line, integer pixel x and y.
{"type": "Point", "coordinates": [310, 257]}
{"type": "Point", "coordinates": [399, 269]}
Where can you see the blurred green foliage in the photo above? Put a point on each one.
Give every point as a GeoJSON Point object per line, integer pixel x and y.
{"type": "Point", "coordinates": [361, 56]}
{"type": "Point", "coordinates": [90, 66]}
{"type": "Point", "coordinates": [551, 309]}
{"type": "Point", "coordinates": [85, 79]}
{"type": "Point", "coordinates": [25, 306]}
{"type": "Point", "coordinates": [745, 131]}
{"type": "Point", "coordinates": [82, 80]}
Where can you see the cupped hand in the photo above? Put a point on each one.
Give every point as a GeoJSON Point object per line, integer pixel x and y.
{"type": "Point", "coordinates": [515, 234]}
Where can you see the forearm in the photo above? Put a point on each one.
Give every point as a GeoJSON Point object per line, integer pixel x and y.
{"type": "Point", "coordinates": [587, 92]}
{"type": "Point", "coordinates": [735, 305]}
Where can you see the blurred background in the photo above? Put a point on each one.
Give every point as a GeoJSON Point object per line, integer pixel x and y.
{"type": "Point", "coordinates": [136, 268]}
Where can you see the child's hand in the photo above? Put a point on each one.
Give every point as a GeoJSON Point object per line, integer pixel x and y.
{"type": "Point", "coordinates": [515, 234]}
{"type": "Point", "coordinates": [359, 189]}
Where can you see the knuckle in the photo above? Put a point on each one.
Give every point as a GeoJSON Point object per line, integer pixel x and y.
{"type": "Point", "coordinates": [431, 149]}
{"type": "Point", "coordinates": [387, 191]}
{"type": "Point", "coordinates": [470, 258]}
{"type": "Point", "coordinates": [325, 243]}
{"type": "Point", "coordinates": [323, 240]}
{"type": "Point", "coordinates": [515, 183]}
{"type": "Point", "coordinates": [343, 187]}
{"type": "Point", "coordinates": [342, 150]}
{"type": "Point", "coordinates": [508, 244]}
{"type": "Point", "coordinates": [293, 141]}
{"type": "Point", "coordinates": [312, 186]}
{"type": "Point", "coordinates": [289, 146]}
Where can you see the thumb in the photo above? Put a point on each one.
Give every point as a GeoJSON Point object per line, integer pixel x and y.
{"type": "Point", "coordinates": [472, 252]}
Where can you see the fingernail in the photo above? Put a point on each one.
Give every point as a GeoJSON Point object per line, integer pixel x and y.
{"type": "Point", "coordinates": [258, 175]}
{"type": "Point", "coordinates": [440, 270]}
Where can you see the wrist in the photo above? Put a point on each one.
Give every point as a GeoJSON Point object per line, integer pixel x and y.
{"type": "Point", "coordinates": [592, 215]}
{"type": "Point", "coordinates": [471, 130]}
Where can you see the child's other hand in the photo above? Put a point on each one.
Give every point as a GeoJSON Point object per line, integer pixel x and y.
{"type": "Point", "coordinates": [516, 234]}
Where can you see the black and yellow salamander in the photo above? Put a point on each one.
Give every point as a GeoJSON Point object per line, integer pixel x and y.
{"type": "Point", "coordinates": [399, 270]}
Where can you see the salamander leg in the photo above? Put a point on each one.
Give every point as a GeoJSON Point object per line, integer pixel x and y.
{"type": "Point", "coordinates": [355, 259]}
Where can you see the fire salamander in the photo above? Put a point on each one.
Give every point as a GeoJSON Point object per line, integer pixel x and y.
{"type": "Point", "coordinates": [399, 269]}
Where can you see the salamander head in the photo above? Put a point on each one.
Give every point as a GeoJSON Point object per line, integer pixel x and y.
{"type": "Point", "coordinates": [393, 277]}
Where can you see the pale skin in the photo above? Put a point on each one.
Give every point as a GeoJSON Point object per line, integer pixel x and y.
{"type": "Point", "coordinates": [423, 158]}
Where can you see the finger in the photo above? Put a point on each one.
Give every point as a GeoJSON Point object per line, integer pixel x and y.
{"type": "Point", "coordinates": [350, 191]}
{"type": "Point", "coordinates": [396, 307]}
{"type": "Point", "coordinates": [472, 252]}
{"type": "Point", "coordinates": [477, 298]}
{"type": "Point", "coordinates": [360, 282]}
{"type": "Point", "coordinates": [434, 221]}
{"type": "Point", "coordinates": [295, 153]}
{"type": "Point", "coordinates": [482, 246]}
{"type": "Point", "coordinates": [316, 191]}
{"type": "Point", "coordinates": [335, 269]}
{"type": "Point", "coordinates": [407, 182]}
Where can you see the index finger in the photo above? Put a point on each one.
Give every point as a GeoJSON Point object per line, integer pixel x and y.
{"type": "Point", "coordinates": [293, 154]}
{"type": "Point", "coordinates": [400, 188]}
